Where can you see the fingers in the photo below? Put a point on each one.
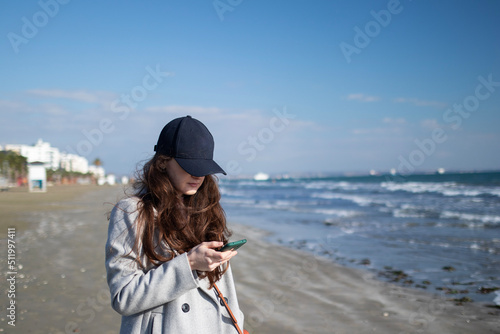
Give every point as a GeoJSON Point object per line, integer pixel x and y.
{"type": "Point", "coordinates": [213, 244]}
{"type": "Point", "coordinates": [204, 257]}
{"type": "Point", "coordinates": [228, 256]}
{"type": "Point", "coordinates": [220, 258]}
{"type": "Point", "coordinates": [223, 261]}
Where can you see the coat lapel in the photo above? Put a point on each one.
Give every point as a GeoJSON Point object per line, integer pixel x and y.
{"type": "Point", "coordinates": [204, 286]}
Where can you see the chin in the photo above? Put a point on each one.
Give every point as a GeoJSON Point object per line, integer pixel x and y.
{"type": "Point", "coordinates": [190, 192]}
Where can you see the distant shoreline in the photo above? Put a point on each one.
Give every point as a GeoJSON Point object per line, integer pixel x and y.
{"type": "Point", "coordinates": [362, 175]}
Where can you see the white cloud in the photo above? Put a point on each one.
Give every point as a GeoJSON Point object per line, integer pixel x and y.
{"type": "Point", "coordinates": [392, 126]}
{"type": "Point", "coordinates": [429, 124]}
{"type": "Point", "coordinates": [378, 131]}
{"type": "Point", "coordinates": [389, 120]}
{"type": "Point", "coordinates": [54, 110]}
{"type": "Point", "coordinates": [363, 97]}
{"type": "Point", "coordinates": [13, 107]}
{"type": "Point", "coordinates": [100, 97]}
{"type": "Point", "coordinates": [420, 103]}
{"type": "Point", "coordinates": [184, 110]}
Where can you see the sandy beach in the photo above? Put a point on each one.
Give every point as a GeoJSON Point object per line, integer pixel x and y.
{"type": "Point", "coordinates": [60, 285]}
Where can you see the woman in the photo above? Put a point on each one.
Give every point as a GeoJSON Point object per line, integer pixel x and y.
{"type": "Point", "coordinates": [161, 257]}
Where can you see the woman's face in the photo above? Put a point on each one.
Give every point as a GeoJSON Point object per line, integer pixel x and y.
{"type": "Point", "coordinates": [184, 183]}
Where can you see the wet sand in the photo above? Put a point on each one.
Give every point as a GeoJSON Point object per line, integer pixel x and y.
{"type": "Point", "coordinates": [61, 285]}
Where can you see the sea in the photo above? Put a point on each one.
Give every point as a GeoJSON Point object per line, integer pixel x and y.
{"type": "Point", "coordinates": [438, 232]}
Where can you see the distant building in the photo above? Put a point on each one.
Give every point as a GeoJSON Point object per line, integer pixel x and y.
{"type": "Point", "coordinates": [97, 171]}
{"type": "Point", "coordinates": [74, 163]}
{"type": "Point", "coordinates": [125, 180]}
{"type": "Point", "coordinates": [111, 179]}
{"type": "Point", "coordinates": [40, 152]}
{"type": "Point", "coordinates": [50, 157]}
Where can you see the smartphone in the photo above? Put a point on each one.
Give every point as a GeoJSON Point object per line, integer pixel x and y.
{"type": "Point", "coordinates": [232, 245]}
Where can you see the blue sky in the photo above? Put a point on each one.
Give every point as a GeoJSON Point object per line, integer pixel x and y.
{"type": "Point", "coordinates": [284, 86]}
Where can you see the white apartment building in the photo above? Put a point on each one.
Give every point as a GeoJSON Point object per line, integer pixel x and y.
{"type": "Point", "coordinates": [40, 152]}
{"type": "Point", "coordinates": [97, 171]}
{"type": "Point", "coordinates": [74, 163]}
{"type": "Point", "coordinates": [50, 156]}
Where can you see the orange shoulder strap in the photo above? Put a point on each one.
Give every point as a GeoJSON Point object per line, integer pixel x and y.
{"type": "Point", "coordinates": [235, 322]}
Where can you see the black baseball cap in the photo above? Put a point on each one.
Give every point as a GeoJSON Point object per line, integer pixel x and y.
{"type": "Point", "coordinates": [189, 142]}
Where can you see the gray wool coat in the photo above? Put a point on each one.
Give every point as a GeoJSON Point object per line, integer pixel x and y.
{"type": "Point", "coordinates": [170, 298]}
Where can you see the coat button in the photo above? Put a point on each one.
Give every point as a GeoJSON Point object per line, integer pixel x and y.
{"type": "Point", "coordinates": [185, 308]}
{"type": "Point", "coordinates": [222, 303]}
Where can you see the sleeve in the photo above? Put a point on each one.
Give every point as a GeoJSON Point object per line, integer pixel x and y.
{"type": "Point", "coordinates": [134, 290]}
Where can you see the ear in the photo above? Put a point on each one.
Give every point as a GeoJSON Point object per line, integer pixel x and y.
{"type": "Point", "coordinates": [162, 166]}
{"type": "Point", "coordinates": [163, 163]}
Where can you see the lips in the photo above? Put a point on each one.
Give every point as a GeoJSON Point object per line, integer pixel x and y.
{"type": "Point", "coordinates": [194, 185]}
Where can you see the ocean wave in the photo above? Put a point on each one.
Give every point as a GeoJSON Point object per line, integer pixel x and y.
{"type": "Point", "coordinates": [497, 298]}
{"type": "Point", "coordinates": [337, 212]}
{"type": "Point", "coordinates": [238, 201]}
{"type": "Point", "coordinates": [232, 192]}
{"type": "Point", "coordinates": [292, 206]}
{"type": "Point", "coordinates": [412, 211]}
{"type": "Point", "coordinates": [342, 185]}
{"type": "Point", "coordinates": [401, 213]}
{"type": "Point", "coordinates": [470, 217]}
{"type": "Point", "coordinates": [444, 188]}
{"type": "Point", "coordinates": [485, 247]}
{"type": "Point", "coordinates": [360, 200]}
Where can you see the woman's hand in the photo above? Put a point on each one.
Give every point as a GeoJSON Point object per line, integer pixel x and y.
{"type": "Point", "coordinates": [204, 257]}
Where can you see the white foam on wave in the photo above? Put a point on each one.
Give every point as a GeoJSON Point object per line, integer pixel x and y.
{"type": "Point", "coordinates": [238, 201]}
{"type": "Point", "coordinates": [402, 213]}
{"type": "Point", "coordinates": [294, 206]}
{"type": "Point", "coordinates": [348, 230]}
{"type": "Point", "coordinates": [475, 246]}
{"type": "Point", "coordinates": [324, 195]}
{"type": "Point", "coordinates": [417, 187]}
{"type": "Point", "coordinates": [470, 217]}
{"type": "Point", "coordinates": [248, 183]}
{"type": "Point", "coordinates": [338, 212]}
{"type": "Point", "coordinates": [458, 192]}
{"type": "Point", "coordinates": [497, 298]}
{"type": "Point", "coordinates": [232, 192]}
{"type": "Point", "coordinates": [484, 247]}
{"type": "Point", "coordinates": [444, 188]}
{"type": "Point", "coordinates": [360, 200]}
{"type": "Point", "coordinates": [331, 185]}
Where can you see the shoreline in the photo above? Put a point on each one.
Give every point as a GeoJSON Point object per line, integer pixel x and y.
{"type": "Point", "coordinates": [61, 285]}
{"type": "Point", "coordinates": [345, 300]}
{"type": "Point", "coordinates": [456, 291]}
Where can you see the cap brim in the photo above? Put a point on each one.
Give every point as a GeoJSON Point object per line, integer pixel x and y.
{"type": "Point", "coordinates": [200, 167]}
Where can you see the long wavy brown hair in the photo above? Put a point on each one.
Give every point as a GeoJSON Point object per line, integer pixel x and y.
{"type": "Point", "coordinates": [173, 225]}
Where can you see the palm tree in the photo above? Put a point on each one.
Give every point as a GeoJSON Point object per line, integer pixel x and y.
{"type": "Point", "coordinates": [12, 165]}
{"type": "Point", "coordinates": [97, 162]}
